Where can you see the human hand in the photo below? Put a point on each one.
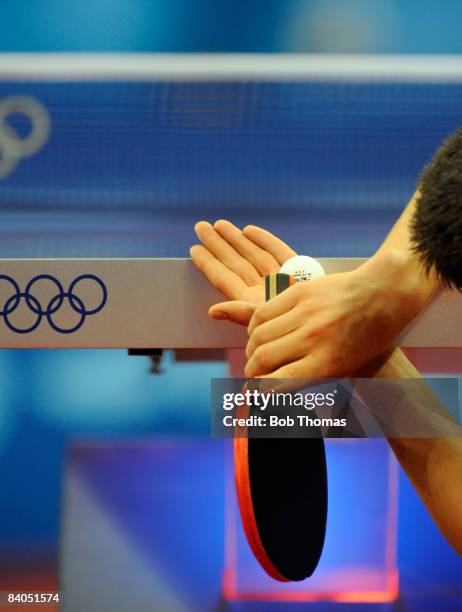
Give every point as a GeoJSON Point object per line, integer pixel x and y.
{"type": "Point", "coordinates": [236, 263]}
{"type": "Point", "coordinates": [330, 327]}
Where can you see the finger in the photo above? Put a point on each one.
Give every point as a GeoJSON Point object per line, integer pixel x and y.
{"type": "Point", "coordinates": [225, 253]}
{"type": "Point", "coordinates": [221, 277]}
{"type": "Point", "coordinates": [275, 307]}
{"type": "Point", "coordinates": [271, 330]}
{"type": "Point", "coordinates": [269, 242]}
{"type": "Point", "coordinates": [275, 354]}
{"type": "Point", "coordinates": [268, 384]}
{"type": "Point", "coordinates": [237, 312]}
{"type": "Point", "coordinates": [261, 260]}
{"type": "Point", "coordinates": [309, 367]}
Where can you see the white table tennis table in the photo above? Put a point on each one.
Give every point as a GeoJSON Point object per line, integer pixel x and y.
{"type": "Point", "coordinates": [151, 303]}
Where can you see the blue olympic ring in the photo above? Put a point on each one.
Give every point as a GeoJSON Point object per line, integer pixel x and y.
{"type": "Point", "coordinates": [54, 304]}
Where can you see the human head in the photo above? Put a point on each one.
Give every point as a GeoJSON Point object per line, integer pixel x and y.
{"type": "Point", "coordinates": [436, 227]}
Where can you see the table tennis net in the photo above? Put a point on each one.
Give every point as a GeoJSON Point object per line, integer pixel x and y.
{"type": "Point", "coordinates": [212, 144]}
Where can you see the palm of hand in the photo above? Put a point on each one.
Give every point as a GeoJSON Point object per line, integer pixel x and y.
{"type": "Point", "coordinates": [236, 263]}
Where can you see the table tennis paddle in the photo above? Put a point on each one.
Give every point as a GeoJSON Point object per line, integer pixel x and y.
{"type": "Point", "coordinates": [282, 492]}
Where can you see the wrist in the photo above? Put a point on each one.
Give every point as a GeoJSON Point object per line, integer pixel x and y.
{"type": "Point", "coordinates": [400, 272]}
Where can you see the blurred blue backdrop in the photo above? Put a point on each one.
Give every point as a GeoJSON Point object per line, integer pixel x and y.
{"type": "Point", "coordinates": [49, 396]}
{"type": "Point", "coordinates": [46, 397]}
{"type": "Point", "coordinates": [350, 26]}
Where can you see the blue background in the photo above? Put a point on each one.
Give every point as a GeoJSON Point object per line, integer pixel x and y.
{"type": "Point", "coordinates": [356, 26]}
{"type": "Point", "coordinates": [48, 397]}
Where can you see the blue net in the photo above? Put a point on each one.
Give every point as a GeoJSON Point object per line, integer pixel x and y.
{"type": "Point", "coordinates": [153, 155]}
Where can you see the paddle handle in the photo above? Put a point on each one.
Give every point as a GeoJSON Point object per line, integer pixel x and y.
{"type": "Point", "coordinates": [277, 283]}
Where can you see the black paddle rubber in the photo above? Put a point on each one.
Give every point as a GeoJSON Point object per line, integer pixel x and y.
{"type": "Point", "coordinates": [282, 493]}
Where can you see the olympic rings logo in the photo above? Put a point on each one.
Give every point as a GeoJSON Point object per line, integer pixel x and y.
{"type": "Point", "coordinates": [14, 147]}
{"type": "Point", "coordinates": [58, 299]}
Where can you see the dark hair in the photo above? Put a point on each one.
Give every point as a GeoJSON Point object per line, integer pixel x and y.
{"type": "Point", "coordinates": [436, 227]}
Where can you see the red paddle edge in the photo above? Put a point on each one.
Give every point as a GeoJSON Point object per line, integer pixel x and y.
{"type": "Point", "coordinates": [244, 497]}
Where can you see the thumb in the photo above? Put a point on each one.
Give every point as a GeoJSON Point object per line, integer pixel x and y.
{"type": "Point", "coordinates": [237, 312]}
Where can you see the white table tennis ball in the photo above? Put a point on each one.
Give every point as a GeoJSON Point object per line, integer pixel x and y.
{"type": "Point", "coordinates": [303, 268]}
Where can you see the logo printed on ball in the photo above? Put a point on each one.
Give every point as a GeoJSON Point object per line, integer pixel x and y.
{"type": "Point", "coordinates": [71, 297]}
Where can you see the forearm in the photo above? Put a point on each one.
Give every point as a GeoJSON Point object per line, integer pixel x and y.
{"type": "Point", "coordinates": [433, 464]}
{"type": "Point", "coordinates": [397, 261]}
